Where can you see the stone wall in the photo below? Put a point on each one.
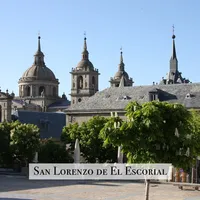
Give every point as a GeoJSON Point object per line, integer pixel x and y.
{"type": "Point", "coordinates": [84, 117]}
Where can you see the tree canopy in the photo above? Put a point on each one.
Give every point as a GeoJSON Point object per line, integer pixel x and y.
{"type": "Point", "coordinates": [156, 132]}
{"type": "Point", "coordinates": [51, 151]}
{"type": "Point", "coordinates": [91, 144]}
{"type": "Point", "coordinates": [25, 140]}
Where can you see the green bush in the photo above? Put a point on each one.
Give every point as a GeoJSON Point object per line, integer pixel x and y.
{"type": "Point", "coordinates": [53, 152]}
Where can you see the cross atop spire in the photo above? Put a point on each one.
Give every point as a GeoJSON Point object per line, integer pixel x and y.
{"type": "Point", "coordinates": [173, 36]}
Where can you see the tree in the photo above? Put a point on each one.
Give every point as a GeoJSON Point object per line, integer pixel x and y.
{"type": "Point", "coordinates": [149, 134]}
{"type": "Point", "coordinates": [91, 144]}
{"type": "Point", "coordinates": [53, 152]}
{"type": "Point", "coordinates": [6, 154]}
{"type": "Point", "coordinates": [195, 123]}
{"type": "Point", "coordinates": [156, 132]}
{"type": "Point", "coordinates": [25, 140]}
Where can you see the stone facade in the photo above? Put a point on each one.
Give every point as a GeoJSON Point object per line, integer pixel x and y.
{"type": "Point", "coordinates": [84, 81]}
{"type": "Point", "coordinates": [174, 88]}
{"type": "Point", "coordinates": [5, 106]}
{"type": "Point", "coordinates": [83, 116]}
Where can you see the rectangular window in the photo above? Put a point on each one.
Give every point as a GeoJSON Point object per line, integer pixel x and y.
{"type": "Point", "coordinates": [152, 97]}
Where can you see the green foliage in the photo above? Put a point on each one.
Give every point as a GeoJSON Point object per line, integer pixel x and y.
{"type": "Point", "coordinates": [53, 152]}
{"type": "Point", "coordinates": [70, 133]}
{"type": "Point", "coordinates": [111, 132]}
{"type": "Point", "coordinates": [6, 154]}
{"type": "Point", "coordinates": [25, 140]}
{"type": "Point", "coordinates": [195, 139]}
{"type": "Point", "coordinates": [91, 144]}
{"type": "Point", "coordinates": [149, 133]}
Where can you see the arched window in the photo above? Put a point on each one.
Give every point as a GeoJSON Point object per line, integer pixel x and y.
{"type": "Point", "coordinates": [0, 113]}
{"type": "Point", "coordinates": [28, 91]}
{"type": "Point", "coordinates": [93, 80]}
{"type": "Point", "coordinates": [80, 82]}
{"type": "Point", "coordinates": [41, 90]}
{"type": "Point", "coordinates": [54, 91]}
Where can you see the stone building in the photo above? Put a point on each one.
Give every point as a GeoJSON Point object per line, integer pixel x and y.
{"type": "Point", "coordinates": [38, 84]}
{"type": "Point", "coordinates": [5, 106]}
{"type": "Point", "coordinates": [38, 91]}
{"type": "Point", "coordinates": [84, 79]}
{"type": "Point", "coordinates": [174, 89]}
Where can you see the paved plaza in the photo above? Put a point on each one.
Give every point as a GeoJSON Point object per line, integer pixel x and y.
{"type": "Point", "coordinates": [20, 188]}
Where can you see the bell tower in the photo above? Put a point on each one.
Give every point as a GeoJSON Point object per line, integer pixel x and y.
{"type": "Point", "coordinates": [85, 78]}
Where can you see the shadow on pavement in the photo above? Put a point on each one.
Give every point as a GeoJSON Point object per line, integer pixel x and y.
{"type": "Point", "coordinates": [5, 198]}
{"type": "Point", "coordinates": [12, 183]}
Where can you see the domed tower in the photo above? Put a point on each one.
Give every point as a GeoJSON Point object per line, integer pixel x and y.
{"type": "Point", "coordinates": [84, 78]}
{"type": "Point", "coordinates": [121, 77]}
{"type": "Point", "coordinates": [38, 83]}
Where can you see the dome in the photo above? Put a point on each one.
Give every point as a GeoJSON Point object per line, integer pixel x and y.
{"type": "Point", "coordinates": [119, 74]}
{"type": "Point", "coordinates": [85, 63]}
{"type": "Point", "coordinates": [40, 73]}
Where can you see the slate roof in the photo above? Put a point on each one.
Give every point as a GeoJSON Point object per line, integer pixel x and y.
{"type": "Point", "coordinates": [116, 98]}
{"type": "Point", "coordinates": [23, 102]}
{"type": "Point", "coordinates": [62, 103]}
{"type": "Point", "coordinates": [50, 124]}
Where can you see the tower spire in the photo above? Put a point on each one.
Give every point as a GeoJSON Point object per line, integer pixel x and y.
{"type": "Point", "coordinates": [121, 57]}
{"type": "Point", "coordinates": [121, 65]}
{"type": "Point", "coordinates": [173, 73]}
{"type": "Point", "coordinates": [85, 51]}
{"type": "Point", "coordinates": [85, 43]}
{"type": "Point", "coordinates": [39, 46]}
{"type": "Point", "coordinates": [39, 56]}
{"type": "Point", "coordinates": [173, 45]}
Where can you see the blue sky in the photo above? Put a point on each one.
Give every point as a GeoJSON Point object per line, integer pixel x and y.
{"type": "Point", "coordinates": [142, 27]}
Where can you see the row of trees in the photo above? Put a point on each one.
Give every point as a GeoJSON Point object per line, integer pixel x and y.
{"type": "Point", "coordinates": [19, 143]}
{"type": "Point", "coordinates": [156, 132]}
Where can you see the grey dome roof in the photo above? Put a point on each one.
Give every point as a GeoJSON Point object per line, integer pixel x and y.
{"type": "Point", "coordinates": [38, 72]}
{"type": "Point", "coordinates": [119, 74]}
{"type": "Point", "coordinates": [85, 63]}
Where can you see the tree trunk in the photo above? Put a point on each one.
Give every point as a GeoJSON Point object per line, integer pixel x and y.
{"type": "Point", "coordinates": [147, 189]}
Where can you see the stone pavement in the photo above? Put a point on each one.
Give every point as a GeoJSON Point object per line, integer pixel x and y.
{"type": "Point", "coordinates": [20, 188]}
